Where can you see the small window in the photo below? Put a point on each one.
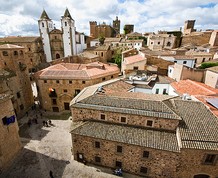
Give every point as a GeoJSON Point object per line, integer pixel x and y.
{"type": "Point", "coordinates": [118, 164]}
{"type": "Point", "coordinates": [145, 154]}
{"type": "Point", "coordinates": [18, 94]}
{"type": "Point", "coordinates": [112, 76]}
{"type": "Point", "coordinates": [149, 123]}
{"type": "Point", "coordinates": [97, 144]}
{"type": "Point", "coordinates": [97, 159]}
{"type": "Point", "coordinates": [65, 90]}
{"type": "Point", "coordinates": [45, 81]}
{"type": "Point", "coordinates": [175, 61]}
{"type": "Point", "coordinates": [210, 159]}
{"type": "Point", "coordinates": [43, 24]}
{"type": "Point", "coordinates": [83, 82]}
{"type": "Point", "coordinates": [164, 91]}
{"type": "Point", "coordinates": [57, 81]}
{"type": "Point", "coordinates": [70, 82]}
{"type": "Point", "coordinates": [135, 68]}
{"type": "Point", "coordinates": [119, 149]}
{"type": "Point", "coordinates": [5, 53]}
{"type": "Point", "coordinates": [65, 23]}
{"type": "Point", "coordinates": [144, 170]}
{"type": "Point", "coordinates": [15, 53]}
{"type": "Point", "coordinates": [102, 54]}
{"type": "Point", "coordinates": [157, 91]}
{"type": "Point", "coordinates": [103, 117]}
{"type": "Point", "coordinates": [168, 43]}
{"type": "Point", "coordinates": [55, 37]}
{"type": "Point", "coordinates": [31, 60]}
{"type": "Point", "coordinates": [203, 59]}
{"type": "Point", "coordinates": [123, 119]}
{"type": "Point", "coordinates": [151, 43]}
{"type": "Point", "coordinates": [158, 42]}
{"type": "Point", "coordinates": [21, 107]}
{"type": "Point", "coordinates": [184, 62]}
{"type": "Point", "coordinates": [54, 101]}
{"type": "Point", "coordinates": [29, 49]}
{"type": "Point", "coordinates": [103, 79]}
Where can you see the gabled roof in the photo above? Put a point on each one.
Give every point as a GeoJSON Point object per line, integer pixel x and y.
{"type": "Point", "coordinates": [134, 59]}
{"type": "Point", "coordinates": [44, 15]}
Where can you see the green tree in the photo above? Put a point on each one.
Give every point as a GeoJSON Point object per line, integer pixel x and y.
{"type": "Point", "coordinates": [208, 64]}
{"type": "Point", "coordinates": [101, 39]}
{"type": "Point", "coordinates": [118, 58]}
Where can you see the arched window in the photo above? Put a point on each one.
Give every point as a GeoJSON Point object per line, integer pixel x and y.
{"type": "Point", "coordinates": [57, 56]}
{"type": "Point", "coordinates": [43, 24]}
{"type": "Point", "coordinates": [168, 43]}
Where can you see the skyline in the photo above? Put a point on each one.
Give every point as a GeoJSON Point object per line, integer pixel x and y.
{"type": "Point", "coordinates": [147, 15]}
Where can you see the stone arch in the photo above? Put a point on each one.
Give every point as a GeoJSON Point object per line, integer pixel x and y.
{"type": "Point", "coordinates": [201, 176]}
{"type": "Point", "coordinates": [57, 56]}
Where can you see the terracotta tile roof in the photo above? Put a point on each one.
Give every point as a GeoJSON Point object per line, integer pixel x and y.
{"type": "Point", "coordinates": [134, 59]}
{"type": "Point", "coordinates": [19, 39]}
{"type": "Point", "coordinates": [199, 128]}
{"type": "Point", "coordinates": [130, 103]}
{"type": "Point", "coordinates": [77, 71]}
{"type": "Point", "coordinates": [10, 46]}
{"type": "Point", "coordinates": [199, 90]}
{"type": "Point", "coordinates": [117, 86]}
{"type": "Point", "coordinates": [129, 135]}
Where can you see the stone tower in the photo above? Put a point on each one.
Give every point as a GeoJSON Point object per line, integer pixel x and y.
{"type": "Point", "coordinates": [93, 25]}
{"type": "Point", "coordinates": [45, 26]}
{"type": "Point", "coordinates": [116, 25]}
{"type": "Point", "coordinates": [189, 26]}
{"type": "Point", "coordinates": [69, 32]}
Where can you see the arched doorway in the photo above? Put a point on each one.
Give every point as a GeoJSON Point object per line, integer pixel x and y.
{"type": "Point", "coordinates": [201, 176]}
{"type": "Point", "coordinates": [57, 56]}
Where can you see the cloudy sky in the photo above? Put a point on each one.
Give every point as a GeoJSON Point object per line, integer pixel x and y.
{"type": "Point", "coordinates": [20, 17]}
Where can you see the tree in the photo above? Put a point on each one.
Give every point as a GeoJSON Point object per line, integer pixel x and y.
{"type": "Point", "coordinates": [208, 64]}
{"type": "Point", "coordinates": [101, 39]}
{"type": "Point", "coordinates": [118, 58]}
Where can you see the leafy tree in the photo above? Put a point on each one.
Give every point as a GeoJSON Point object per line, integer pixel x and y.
{"type": "Point", "coordinates": [208, 64]}
{"type": "Point", "coordinates": [118, 58]}
{"type": "Point", "coordinates": [101, 39]}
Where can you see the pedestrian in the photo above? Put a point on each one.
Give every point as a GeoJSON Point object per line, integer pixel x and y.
{"type": "Point", "coordinates": [51, 174]}
{"type": "Point", "coordinates": [46, 123]}
{"type": "Point", "coordinates": [49, 121]}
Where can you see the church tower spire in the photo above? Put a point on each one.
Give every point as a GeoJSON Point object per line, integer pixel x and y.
{"type": "Point", "coordinates": [44, 15]}
{"type": "Point", "coordinates": [67, 13]}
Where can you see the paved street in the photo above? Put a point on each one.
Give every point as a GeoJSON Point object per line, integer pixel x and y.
{"type": "Point", "coordinates": [48, 148]}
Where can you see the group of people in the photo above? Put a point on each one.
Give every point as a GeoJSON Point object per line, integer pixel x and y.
{"type": "Point", "coordinates": [47, 123]}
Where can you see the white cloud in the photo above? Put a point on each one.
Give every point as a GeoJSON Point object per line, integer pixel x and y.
{"type": "Point", "coordinates": [18, 18]}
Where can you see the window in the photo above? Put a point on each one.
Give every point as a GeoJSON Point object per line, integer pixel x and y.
{"type": "Point", "coordinates": [210, 159]}
{"type": "Point", "coordinates": [57, 81]}
{"type": "Point", "coordinates": [123, 119]}
{"type": "Point", "coordinates": [31, 60]}
{"type": "Point", "coordinates": [45, 81]}
{"type": "Point", "coordinates": [70, 82]}
{"type": "Point", "coordinates": [29, 49]}
{"type": "Point", "coordinates": [97, 144]}
{"type": "Point", "coordinates": [184, 62]}
{"type": "Point", "coordinates": [5, 53]}
{"type": "Point", "coordinates": [102, 54]}
{"type": "Point", "coordinates": [118, 164]}
{"type": "Point", "coordinates": [18, 94]}
{"type": "Point", "coordinates": [103, 79]}
{"type": "Point", "coordinates": [151, 43]}
{"type": "Point", "coordinates": [21, 107]}
{"type": "Point", "coordinates": [203, 60]}
{"type": "Point", "coordinates": [54, 101]}
{"type": "Point", "coordinates": [43, 24]}
{"type": "Point", "coordinates": [144, 170]}
{"type": "Point", "coordinates": [119, 149]}
{"type": "Point", "coordinates": [65, 23]}
{"type": "Point", "coordinates": [170, 70]}
{"type": "Point", "coordinates": [157, 91]}
{"type": "Point", "coordinates": [135, 68]}
{"type": "Point", "coordinates": [149, 123]}
{"type": "Point", "coordinates": [145, 154]}
{"type": "Point", "coordinates": [112, 76]}
{"type": "Point", "coordinates": [103, 117]}
{"type": "Point", "coordinates": [164, 91]}
{"type": "Point", "coordinates": [55, 37]}
{"type": "Point", "coordinates": [158, 42]}
{"type": "Point", "coordinates": [97, 159]}
{"type": "Point", "coordinates": [83, 82]}
{"type": "Point", "coordinates": [175, 61]}
{"type": "Point", "coordinates": [168, 43]}
{"type": "Point", "coordinates": [15, 53]}
{"type": "Point", "coordinates": [65, 90]}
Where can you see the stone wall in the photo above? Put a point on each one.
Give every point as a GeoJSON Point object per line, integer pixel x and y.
{"type": "Point", "coordinates": [211, 79]}
{"type": "Point", "coordinates": [79, 114]}
{"type": "Point", "coordinates": [160, 164]}
{"type": "Point", "coordinates": [196, 38]}
{"type": "Point", "coordinates": [10, 143]}
{"type": "Point", "coordinates": [192, 163]}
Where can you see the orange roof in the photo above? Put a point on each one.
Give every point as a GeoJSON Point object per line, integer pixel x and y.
{"type": "Point", "coordinates": [134, 59]}
{"type": "Point", "coordinates": [77, 71]}
{"type": "Point", "coordinates": [199, 90]}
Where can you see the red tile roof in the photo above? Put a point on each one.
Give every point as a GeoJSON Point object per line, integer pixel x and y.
{"type": "Point", "coordinates": [77, 71]}
{"type": "Point", "coordinates": [134, 59]}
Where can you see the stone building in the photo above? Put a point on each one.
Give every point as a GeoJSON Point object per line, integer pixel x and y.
{"type": "Point", "coordinates": [104, 30]}
{"type": "Point", "coordinates": [60, 43]}
{"type": "Point", "coordinates": [10, 144]}
{"type": "Point", "coordinates": [12, 58]}
{"type": "Point", "coordinates": [149, 135]}
{"type": "Point", "coordinates": [32, 48]}
{"type": "Point", "coordinates": [211, 77]}
{"type": "Point", "coordinates": [58, 84]}
{"type": "Point", "coordinates": [189, 27]}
